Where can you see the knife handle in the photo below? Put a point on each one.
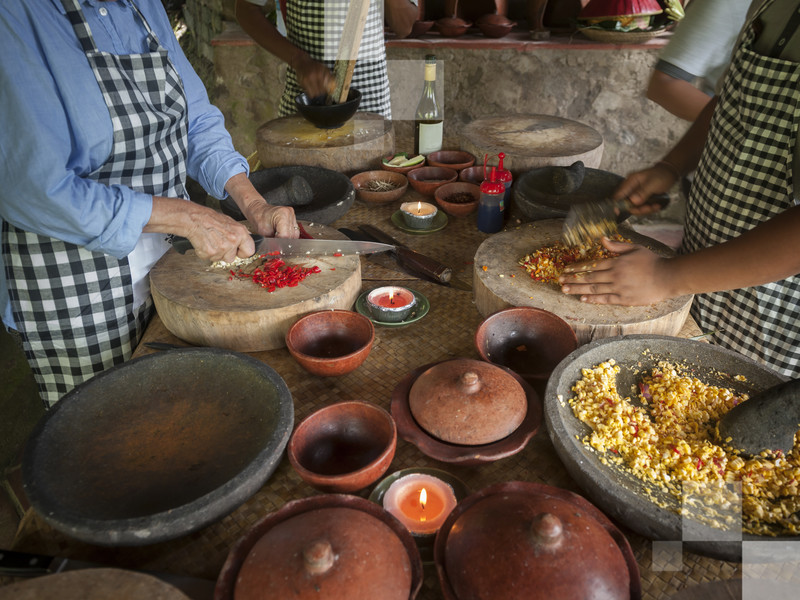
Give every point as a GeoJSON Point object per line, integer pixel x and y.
{"type": "Point", "coordinates": [22, 564]}
{"type": "Point", "coordinates": [424, 265]}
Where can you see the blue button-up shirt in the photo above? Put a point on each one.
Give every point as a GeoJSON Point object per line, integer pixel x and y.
{"type": "Point", "coordinates": [55, 127]}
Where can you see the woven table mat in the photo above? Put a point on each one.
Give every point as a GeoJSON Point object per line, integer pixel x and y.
{"type": "Point", "coordinates": [446, 332]}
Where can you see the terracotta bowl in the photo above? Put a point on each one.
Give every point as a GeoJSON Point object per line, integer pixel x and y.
{"type": "Point", "coordinates": [452, 26]}
{"type": "Point", "coordinates": [328, 116]}
{"type": "Point", "coordinates": [330, 342]}
{"type": "Point", "coordinates": [426, 179]}
{"type": "Point", "coordinates": [344, 447]}
{"type": "Point", "coordinates": [472, 175]}
{"type": "Point", "coordinates": [420, 27]}
{"type": "Point", "coordinates": [452, 159]}
{"type": "Point", "coordinates": [363, 181]}
{"type": "Point", "coordinates": [529, 341]}
{"type": "Point", "coordinates": [403, 170]}
{"type": "Point", "coordinates": [495, 30]}
{"type": "Point", "coordinates": [448, 191]}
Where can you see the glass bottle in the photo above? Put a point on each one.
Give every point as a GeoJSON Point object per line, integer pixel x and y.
{"type": "Point", "coordinates": [428, 120]}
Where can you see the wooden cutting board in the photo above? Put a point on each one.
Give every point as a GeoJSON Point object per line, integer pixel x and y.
{"type": "Point", "coordinates": [92, 584]}
{"type": "Point", "coordinates": [504, 283]}
{"type": "Point", "coordinates": [203, 306]}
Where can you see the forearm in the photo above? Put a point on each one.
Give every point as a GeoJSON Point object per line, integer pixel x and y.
{"type": "Point", "coordinates": [685, 155]}
{"type": "Point", "coordinates": [677, 96]}
{"type": "Point", "coordinates": [400, 16]}
{"type": "Point", "coordinates": [265, 34]}
{"type": "Point", "coordinates": [762, 255]}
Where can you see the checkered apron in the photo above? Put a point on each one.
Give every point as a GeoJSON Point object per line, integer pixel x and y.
{"type": "Point", "coordinates": [75, 308]}
{"type": "Point", "coordinates": [316, 27]}
{"type": "Point", "coordinates": [745, 177]}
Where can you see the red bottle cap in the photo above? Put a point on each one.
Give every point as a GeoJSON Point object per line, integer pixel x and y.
{"type": "Point", "coordinates": [491, 185]}
{"type": "Point", "coordinates": [503, 175]}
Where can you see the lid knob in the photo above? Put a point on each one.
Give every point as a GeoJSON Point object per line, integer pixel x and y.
{"type": "Point", "coordinates": [318, 557]}
{"type": "Point", "coordinates": [470, 382]}
{"type": "Point", "coordinates": [547, 531]}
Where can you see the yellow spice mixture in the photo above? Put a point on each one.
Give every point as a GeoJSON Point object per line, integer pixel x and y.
{"type": "Point", "coordinates": [666, 438]}
{"type": "Point", "coordinates": [547, 263]}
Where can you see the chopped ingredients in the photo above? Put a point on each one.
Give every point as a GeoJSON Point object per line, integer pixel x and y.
{"type": "Point", "coordinates": [666, 438]}
{"type": "Point", "coordinates": [274, 273]}
{"type": "Point", "coordinates": [547, 263]}
{"type": "Point", "coordinates": [379, 185]}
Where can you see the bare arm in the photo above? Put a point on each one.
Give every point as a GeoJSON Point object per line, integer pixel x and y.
{"type": "Point", "coordinates": [679, 97]}
{"type": "Point", "coordinates": [400, 16]}
{"type": "Point", "coordinates": [314, 77]}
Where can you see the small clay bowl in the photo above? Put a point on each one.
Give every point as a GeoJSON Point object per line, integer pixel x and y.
{"type": "Point", "coordinates": [403, 170]}
{"type": "Point", "coordinates": [495, 26]}
{"type": "Point", "coordinates": [529, 341]}
{"type": "Point", "coordinates": [444, 195]}
{"type": "Point", "coordinates": [426, 179]}
{"type": "Point", "coordinates": [344, 447]}
{"type": "Point", "coordinates": [363, 181]}
{"type": "Point", "coordinates": [420, 27]}
{"type": "Point", "coordinates": [472, 175]}
{"type": "Point", "coordinates": [330, 342]}
{"type": "Point", "coordinates": [452, 26]}
{"type": "Point", "coordinates": [452, 159]}
{"type": "Point", "coordinates": [328, 116]}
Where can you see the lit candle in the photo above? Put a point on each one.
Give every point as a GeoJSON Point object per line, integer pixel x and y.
{"type": "Point", "coordinates": [421, 502]}
{"type": "Point", "coordinates": [418, 215]}
{"type": "Point", "coordinates": [390, 304]}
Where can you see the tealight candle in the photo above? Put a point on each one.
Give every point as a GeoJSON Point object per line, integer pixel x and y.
{"type": "Point", "coordinates": [418, 215]}
{"type": "Point", "coordinates": [421, 502]}
{"type": "Point", "coordinates": [390, 304]}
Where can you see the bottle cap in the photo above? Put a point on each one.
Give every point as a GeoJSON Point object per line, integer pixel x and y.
{"type": "Point", "coordinates": [503, 175]}
{"type": "Point", "coordinates": [491, 185]}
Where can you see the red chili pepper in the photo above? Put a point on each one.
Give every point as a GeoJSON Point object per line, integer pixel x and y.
{"type": "Point", "coordinates": [337, 254]}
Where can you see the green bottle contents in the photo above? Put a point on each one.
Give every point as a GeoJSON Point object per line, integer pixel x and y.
{"type": "Point", "coordinates": [491, 206]}
{"type": "Point", "coordinates": [428, 120]}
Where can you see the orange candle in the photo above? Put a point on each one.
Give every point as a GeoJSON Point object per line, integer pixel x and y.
{"type": "Point", "coordinates": [421, 502]}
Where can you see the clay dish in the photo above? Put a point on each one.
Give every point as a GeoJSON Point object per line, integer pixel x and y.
{"type": "Point", "coordinates": [526, 537]}
{"type": "Point", "coordinates": [374, 555]}
{"type": "Point", "coordinates": [330, 342]}
{"type": "Point", "coordinates": [452, 159]}
{"type": "Point", "coordinates": [362, 182]}
{"type": "Point", "coordinates": [452, 26]}
{"type": "Point", "coordinates": [495, 26]}
{"type": "Point", "coordinates": [344, 447]}
{"type": "Point", "coordinates": [328, 116]}
{"type": "Point", "coordinates": [420, 27]}
{"type": "Point", "coordinates": [472, 175]}
{"type": "Point", "coordinates": [457, 209]}
{"type": "Point", "coordinates": [529, 341]}
{"type": "Point", "coordinates": [410, 430]}
{"type": "Point", "coordinates": [426, 179]}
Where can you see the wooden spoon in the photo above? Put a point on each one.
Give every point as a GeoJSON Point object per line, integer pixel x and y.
{"type": "Point", "coordinates": [769, 420]}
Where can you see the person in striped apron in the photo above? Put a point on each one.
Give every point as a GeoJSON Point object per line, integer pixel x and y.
{"type": "Point", "coordinates": [103, 118]}
{"type": "Point", "coordinates": [742, 226]}
{"type": "Point", "coordinates": [310, 48]}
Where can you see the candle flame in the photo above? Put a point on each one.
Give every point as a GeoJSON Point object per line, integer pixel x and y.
{"type": "Point", "coordinates": [419, 207]}
{"type": "Point", "coordinates": [391, 296]}
{"type": "Point", "coordinates": [423, 498]}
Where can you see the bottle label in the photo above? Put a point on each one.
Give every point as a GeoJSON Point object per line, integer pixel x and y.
{"type": "Point", "coordinates": [430, 137]}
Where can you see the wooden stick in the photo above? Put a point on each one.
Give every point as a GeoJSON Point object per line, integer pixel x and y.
{"type": "Point", "coordinates": [348, 48]}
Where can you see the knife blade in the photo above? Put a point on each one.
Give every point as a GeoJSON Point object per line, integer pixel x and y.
{"type": "Point", "coordinates": [588, 221]}
{"type": "Point", "coordinates": [23, 564]}
{"type": "Point", "coordinates": [411, 259]}
{"type": "Point", "coordinates": [300, 247]}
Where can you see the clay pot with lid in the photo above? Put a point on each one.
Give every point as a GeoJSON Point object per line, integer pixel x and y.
{"type": "Point", "coordinates": [336, 546]}
{"type": "Point", "coordinates": [532, 542]}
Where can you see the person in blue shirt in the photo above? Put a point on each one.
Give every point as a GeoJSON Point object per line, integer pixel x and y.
{"type": "Point", "coordinates": [103, 120]}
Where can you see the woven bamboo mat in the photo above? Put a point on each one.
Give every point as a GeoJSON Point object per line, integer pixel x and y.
{"type": "Point", "coordinates": [447, 331]}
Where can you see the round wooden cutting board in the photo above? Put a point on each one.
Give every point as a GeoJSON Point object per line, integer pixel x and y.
{"type": "Point", "coordinates": [203, 306]}
{"type": "Point", "coordinates": [504, 283]}
{"type": "Point", "coordinates": [356, 146]}
{"type": "Point", "coordinates": [532, 141]}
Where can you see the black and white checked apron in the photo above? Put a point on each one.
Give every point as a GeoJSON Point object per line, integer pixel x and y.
{"type": "Point", "coordinates": [745, 177]}
{"type": "Point", "coordinates": [316, 27]}
{"type": "Point", "coordinates": [75, 308]}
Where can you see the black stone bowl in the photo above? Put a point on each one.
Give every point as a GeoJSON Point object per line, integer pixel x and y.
{"type": "Point", "coordinates": [333, 192]}
{"type": "Point", "coordinates": [158, 447]}
{"type": "Point", "coordinates": [328, 116]}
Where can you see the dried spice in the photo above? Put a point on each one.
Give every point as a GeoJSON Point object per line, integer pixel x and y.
{"type": "Point", "coordinates": [460, 198]}
{"type": "Point", "coordinates": [547, 263]}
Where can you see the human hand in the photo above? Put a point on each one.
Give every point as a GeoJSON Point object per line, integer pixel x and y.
{"type": "Point", "coordinates": [274, 221]}
{"type": "Point", "coordinates": [216, 237]}
{"type": "Point", "coordinates": [313, 76]}
{"type": "Point", "coordinates": [641, 185]}
{"type": "Point", "coordinates": [637, 276]}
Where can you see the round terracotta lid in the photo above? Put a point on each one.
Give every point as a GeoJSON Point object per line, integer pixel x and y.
{"type": "Point", "coordinates": [532, 544]}
{"type": "Point", "coordinates": [336, 553]}
{"type": "Point", "coordinates": [465, 401]}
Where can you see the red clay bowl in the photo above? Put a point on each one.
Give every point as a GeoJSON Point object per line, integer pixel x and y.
{"type": "Point", "coordinates": [452, 26]}
{"type": "Point", "coordinates": [330, 342]}
{"type": "Point", "coordinates": [529, 341]}
{"type": "Point", "coordinates": [426, 179]}
{"type": "Point", "coordinates": [344, 447]}
{"type": "Point", "coordinates": [452, 159]}
{"type": "Point", "coordinates": [446, 194]}
{"type": "Point", "coordinates": [472, 175]}
{"type": "Point", "coordinates": [362, 183]}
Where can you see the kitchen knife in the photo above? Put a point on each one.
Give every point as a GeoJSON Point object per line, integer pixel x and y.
{"type": "Point", "coordinates": [300, 247]}
{"type": "Point", "coordinates": [23, 564]}
{"type": "Point", "coordinates": [410, 259]}
{"type": "Point", "coordinates": [588, 221]}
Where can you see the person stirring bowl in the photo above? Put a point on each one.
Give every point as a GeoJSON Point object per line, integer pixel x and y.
{"type": "Point", "coordinates": [103, 120]}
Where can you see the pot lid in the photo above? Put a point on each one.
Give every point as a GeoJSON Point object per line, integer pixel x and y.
{"type": "Point", "coordinates": [339, 553]}
{"type": "Point", "coordinates": [466, 401]}
{"type": "Point", "coordinates": [533, 541]}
